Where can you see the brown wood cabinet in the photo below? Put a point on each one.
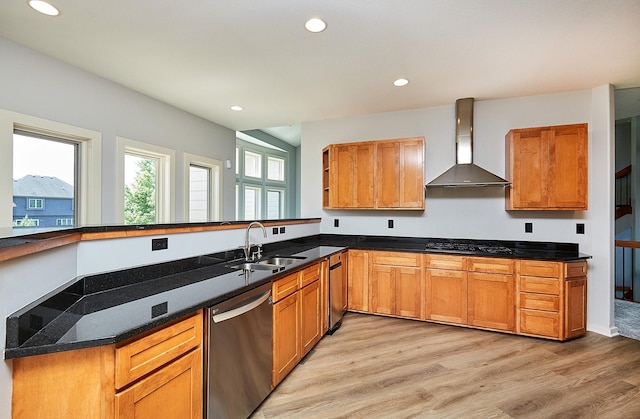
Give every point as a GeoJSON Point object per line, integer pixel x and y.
{"type": "Point", "coordinates": [385, 174]}
{"type": "Point", "coordinates": [297, 318]}
{"type": "Point", "coordinates": [548, 168]}
{"type": "Point", "coordinates": [491, 289]}
{"type": "Point", "coordinates": [400, 174]}
{"type": "Point", "coordinates": [396, 284]}
{"type": "Point", "coordinates": [286, 336]}
{"type": "Point", "coordinates": [351, 175]}
{"type": "Point", "coordinates": [552, 299]}
{"type": "Point", "coordinates": [358, 280]}
{"type": "Point", "coordinates": [155, 376]}
{"type": "Point", "coordinates": [446, 288]}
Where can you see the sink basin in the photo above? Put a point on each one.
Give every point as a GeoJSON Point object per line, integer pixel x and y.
{"type": "Point", "coordinates": [252, 266]}
{"type": "Point", "coordinates": [281, 260]}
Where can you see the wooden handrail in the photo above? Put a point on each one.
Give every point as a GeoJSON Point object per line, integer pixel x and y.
{"type": "Point", "coordinates": [627, 243]}
{"type": "Point", "coordinates": [623, 172]}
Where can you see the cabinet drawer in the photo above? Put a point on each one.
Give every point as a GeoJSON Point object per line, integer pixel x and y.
{"type": "Point", "coordinates": [490, 265]}
{"type": "Point", "coordinates": [309, 275]}
{"type": "Point", "coordinates": [542, 323]}
{"type": "Point", "coordinates": [142, 356]}
{"type": "Point", "coordinates": [448, 262]}
{"type": "Point", "coordinates": [284, 286]}
{"type": "Point", "coordinates": [540, 268]}
{"type": "Point", "coordinates": [540, 302]}
{"type": "Point", "coordinates": [396, 258]}
{"type": "Point", "coordinates": [575, 269]}
{"type": "Point", "coordinates": [539, 285]}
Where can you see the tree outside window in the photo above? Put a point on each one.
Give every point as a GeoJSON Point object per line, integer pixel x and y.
{"type": "Point", "coordinates": [140, 194]}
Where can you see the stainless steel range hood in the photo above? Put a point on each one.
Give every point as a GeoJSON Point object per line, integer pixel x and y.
{"type": "Point", "coordinates": [465, 173]}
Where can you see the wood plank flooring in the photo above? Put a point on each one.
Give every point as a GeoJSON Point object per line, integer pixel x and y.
{"type": "Point", "coordinates": [379, 367]}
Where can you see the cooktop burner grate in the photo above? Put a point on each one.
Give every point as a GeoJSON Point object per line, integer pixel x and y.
{"type": "Point", "coordinates": [469, 247]}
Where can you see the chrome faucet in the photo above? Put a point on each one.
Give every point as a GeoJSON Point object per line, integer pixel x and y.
{"type": "Point", "coordinates": [247, 246]}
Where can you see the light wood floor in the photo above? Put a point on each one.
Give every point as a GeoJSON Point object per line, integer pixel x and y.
{"type": "Point", "coordinates": [377, 367]}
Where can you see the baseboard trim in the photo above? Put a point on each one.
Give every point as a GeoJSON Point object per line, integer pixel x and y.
{"type": "Point", "coordinates": [609, 332]}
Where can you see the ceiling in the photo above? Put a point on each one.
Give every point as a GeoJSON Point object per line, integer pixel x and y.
{"type": "Point", "coordinates": [204, 56]}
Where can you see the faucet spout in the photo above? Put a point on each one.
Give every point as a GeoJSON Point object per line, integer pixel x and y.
{"type": "Point", "coordinates": [247, 245]}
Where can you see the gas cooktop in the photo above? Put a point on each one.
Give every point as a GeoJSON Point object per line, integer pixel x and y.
{"type": "Point", "coordinates": [462, 247]}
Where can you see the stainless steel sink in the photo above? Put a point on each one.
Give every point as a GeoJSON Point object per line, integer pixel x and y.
{"type": "Point", "coordinates": [281, 260]}
{"type": "Point", "coordinates": [253, 266]}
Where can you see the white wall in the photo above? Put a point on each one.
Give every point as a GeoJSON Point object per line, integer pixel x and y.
{"type": "Point", "coordinates": [479, 213]}
{"type": "Point", "coordinates": [34, 84]}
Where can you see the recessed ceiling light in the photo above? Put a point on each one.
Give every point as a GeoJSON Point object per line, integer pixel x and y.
{"type": "Point", "coordinates": [315, 25]}
{"type": "Point", "coordinates": [236, 108]}
{"type": "Point", "coordinates": [401, 82]}
{"type": "Point", "coordinates": [44, 7]}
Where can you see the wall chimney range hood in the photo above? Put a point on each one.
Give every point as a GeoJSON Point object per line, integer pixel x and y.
{"type": "Point", "coordinates": [464, 173]}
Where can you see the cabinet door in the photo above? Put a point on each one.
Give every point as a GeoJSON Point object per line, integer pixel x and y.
{"type": "Point", "coordinates": [341, 176]}
{"type": "Point", "coordinates": [409, 292]}
{"type": "Point", "coordinates": [363, 175]}
{"type": "Point", "coordinates": [527, 151]}
{"type": "Point", "coordinates": [174, 391]}
{"type": "Point", "coordinates": [411, 189]}
{"type": "Point", "coordinates": [286, 336]}
{"type": "Point", "coordinates": [387, 175]}
{"type": "Point", "coordinates": [568, 167]}
{"type": "Point", "coordinates": [491, 300]}
{"type": "Point", "coordinates": [575, 308]}
{"type": "Point", "coordinates": [310, 316]}
{"type": "Point", "coordinates": [358, 280]}
{"type": "Point", "coordinates": [446, 299]}
{"type": "Point", "coordinates": [383, 290]}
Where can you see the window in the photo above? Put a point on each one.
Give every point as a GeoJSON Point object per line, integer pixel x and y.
{"type": "Point", "coordinates": [261, 189]}
{"type": "Point", "coordinates": [64, 221]}
{"type": "Point", "coordinates": [252, 204]}
{"type": "Point", "coordinates": [144, 184]}
{"type": "Point", "coordinates": [275, 168]}
{"type": "Point", "coordinates": [75, 163]}
{"type": "Point", "coordinates": [252, 164]}
{"type": "Point", "coordinates": [34, 203]}
{"type": "Point", "coordinates": [203, 186]}
{"type": "Point", "coordinates": [275, 204]}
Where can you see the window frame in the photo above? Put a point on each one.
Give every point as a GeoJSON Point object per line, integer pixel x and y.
{"type": "Point", "coordinates": [263, 183]}
{"type": "Point", "coordinates": [35, 207]}
{"type": "Point", "coordinates": [89, 164]}
{"type": "Point", "coordinates": [215, 184]}
{"type": "Point", "coordinates": [165, 208]}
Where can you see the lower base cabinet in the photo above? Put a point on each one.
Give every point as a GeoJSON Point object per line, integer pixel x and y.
{"type": "Point", "coordinates": [297, 318]}
{"type": "Point", "coordinates": [156, 376]}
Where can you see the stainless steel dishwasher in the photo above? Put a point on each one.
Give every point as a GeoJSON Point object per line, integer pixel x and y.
{"type": "Point", "coordinates": [239, 354]}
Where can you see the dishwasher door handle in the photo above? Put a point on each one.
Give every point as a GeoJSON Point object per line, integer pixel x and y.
{"type": "Point", "coordinates": [239, 311]}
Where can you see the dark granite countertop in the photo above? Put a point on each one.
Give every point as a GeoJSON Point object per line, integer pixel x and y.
{"type": "Point", "coordinates": [111, 307]}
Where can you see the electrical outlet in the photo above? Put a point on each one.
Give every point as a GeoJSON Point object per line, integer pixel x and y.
{"type": "Point", "coordinates": [390, 223]}
{"type": "Point", "coordinates": [160, 244]}
{"type": "Point", "coordinates": [336, 223]}
{"type": "Point", "coordinates": [275, 230]}
{"type": "Point", "coordinates": [579, 228]}
{"type": "Point", "coordinates": [282, 230]}
{"type": "Point", "coordinates": [159, 309]}
{"type": "Point", "coordinates": [528, 227]}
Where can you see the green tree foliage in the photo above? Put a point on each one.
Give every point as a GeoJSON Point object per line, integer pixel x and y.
{"type": "Point", "coordinates": [140, 197]}
{"type": "Point", "coordinates": [26, 222]}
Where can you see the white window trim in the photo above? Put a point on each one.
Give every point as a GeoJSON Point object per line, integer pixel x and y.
{"type": "Point", "coordinates": [165, 210]}
{"type": "Point", "coordinates": [89, 165]}
{"type": "Point", "coordinates": [215, 166]}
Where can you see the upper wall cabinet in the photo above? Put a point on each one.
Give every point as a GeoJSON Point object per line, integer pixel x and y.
{"type": "Point", "coordinates": [386, 174]}
{"type": "Point", "coordinates": [547, 167]}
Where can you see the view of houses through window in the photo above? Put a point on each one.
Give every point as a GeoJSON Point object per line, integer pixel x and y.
{"type": "Point", "coordinates": [44, 175]}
